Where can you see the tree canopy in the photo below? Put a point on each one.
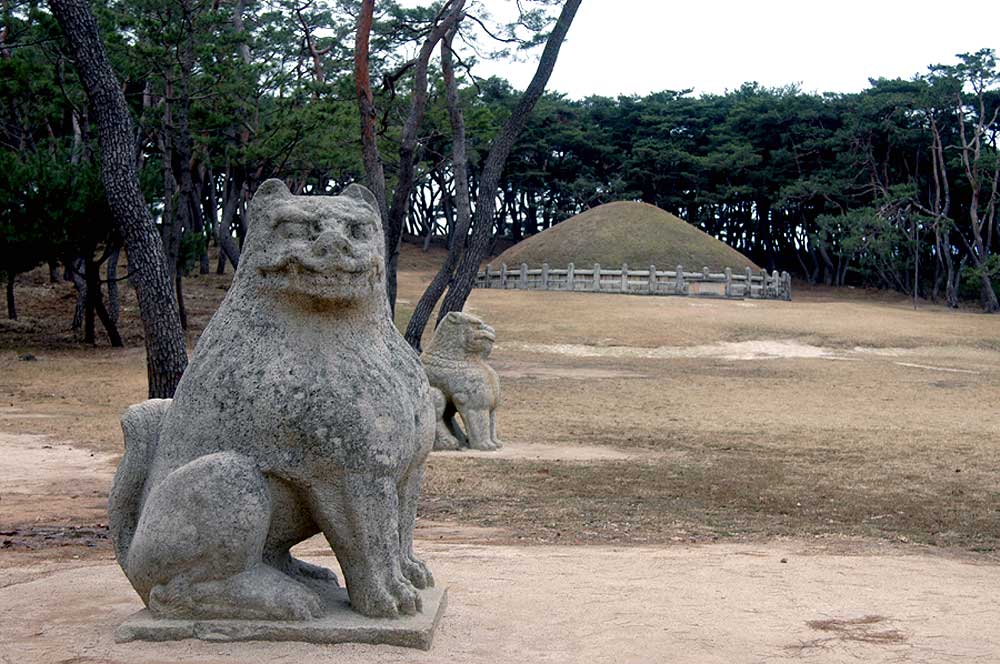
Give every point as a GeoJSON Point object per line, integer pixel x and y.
{"type": "Point", "coordinates": [892, 187]}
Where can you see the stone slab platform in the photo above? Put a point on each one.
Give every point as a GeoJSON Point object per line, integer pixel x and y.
{"type": "Point", "coordinates": [340, 625]}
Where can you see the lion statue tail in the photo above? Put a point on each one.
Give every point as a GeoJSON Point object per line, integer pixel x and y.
{"type": "Point", "coordinates": [141, 426]}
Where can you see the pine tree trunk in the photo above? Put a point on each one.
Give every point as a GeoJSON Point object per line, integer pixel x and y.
{"type": "Point", "coordinates": [93, 291]}
{"type": "Point", "coordinates": [224, 231]}
{"type": "Point", "coordinates": [463, 213]}
{"type": "Point", "coordinates": [74, 273]}
{"type": "Point", "coordinates": [179, 283]}
{"type": "Point", "coordinates": [114, 301]}
{"type": "Point", "coordinates": [479, 243]}
{"type": "Point", "coordinates": [394, 216]}
{"type": "Point", "coordinates": [990, 303]}
{"type": "Point", "coordinates": [951, 293]}
{"type": "Point", "coordinates": [204, 223]}
{"type": "Point", "coordinates": [171, 225]}
{"type": "Point", "coordinates": [199, 227]}
{"type": "Point", "coordinates": [374, 172]}
{"type": "Point", "coordinates": [95, 307]}
{"type": "Point", "coordinates": [166, 356]}
{"type": "Point", "coordinates": [11, 307]}
{"type": "Point", "coordinates": [187, 206]}
{"type": "Point", "coordinates": [109, 325]}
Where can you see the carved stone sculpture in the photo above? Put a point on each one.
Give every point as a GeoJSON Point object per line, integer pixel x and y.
{"type": "Point", "coordinates": [302, 411]}
{"type": "Point", "coordinates": [463, 384]}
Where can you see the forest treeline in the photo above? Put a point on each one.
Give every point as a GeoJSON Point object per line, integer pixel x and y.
{"type": "Point", "coordinates": [893, 187]}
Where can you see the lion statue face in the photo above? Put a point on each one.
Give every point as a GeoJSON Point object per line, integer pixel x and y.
{"type": "Point", "coordinates": [316, 248]}
{"type": "Point", "coordinates": [461, 335]}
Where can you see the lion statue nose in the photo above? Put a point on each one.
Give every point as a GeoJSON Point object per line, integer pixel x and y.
{"type": "Point", "coordinates": [331, 241]}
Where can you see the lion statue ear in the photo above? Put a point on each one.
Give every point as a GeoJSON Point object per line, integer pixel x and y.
{"type": "Point", "coordinates": [273, 188]}
{"type": "Point", "coordinates": [269, 193]}
{"type": "Point", "coordinates": [361, 194]}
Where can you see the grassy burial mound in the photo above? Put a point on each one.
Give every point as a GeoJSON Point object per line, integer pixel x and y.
{"type": "Point", "coordinates": [625, 232]}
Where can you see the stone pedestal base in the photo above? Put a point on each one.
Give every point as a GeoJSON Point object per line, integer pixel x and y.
{"type": "Point", "coordinates": [340, 625]}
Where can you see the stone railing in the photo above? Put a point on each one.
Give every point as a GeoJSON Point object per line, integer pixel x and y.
{"type": "Point", "coordinates": [748, 284]}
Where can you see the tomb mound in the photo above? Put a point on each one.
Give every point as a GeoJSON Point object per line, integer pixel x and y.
{"type": "Point", "coordinates": [638, 234]}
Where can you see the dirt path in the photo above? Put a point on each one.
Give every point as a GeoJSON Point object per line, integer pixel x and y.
{"type": "Point", "coordinates": [46, 481]}
{"type": "Point", "coordinates": [759, 349]}
{"type": "Point", "coordinates": [721, 603]}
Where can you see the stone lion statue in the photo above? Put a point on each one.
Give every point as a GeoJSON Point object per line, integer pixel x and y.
{"type": "Point", "coordinates": [462, 383]}
{"type": "Point", "coordinates": [302, 411]}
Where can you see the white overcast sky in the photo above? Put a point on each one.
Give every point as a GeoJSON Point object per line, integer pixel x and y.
{"type": "Point", "coordinates": [641, 46]}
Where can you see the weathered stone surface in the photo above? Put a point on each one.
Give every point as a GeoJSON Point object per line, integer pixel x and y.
{"type": "Point", "coordinates": [338, 625]}
{"type": "Point", "coordinates": [463, 384]}
{"type": "Point", "coordinates": [302, 411]}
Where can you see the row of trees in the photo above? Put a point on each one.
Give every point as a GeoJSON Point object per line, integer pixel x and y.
{"type": "Point", "coordinates": [894, 187]}
{"type": "Point", "coordinates": [200, 102]}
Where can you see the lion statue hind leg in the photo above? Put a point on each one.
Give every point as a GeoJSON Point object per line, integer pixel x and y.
{"type": "Point", "coordinates": [197, 550]}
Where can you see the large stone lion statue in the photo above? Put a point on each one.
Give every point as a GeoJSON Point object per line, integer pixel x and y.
{"type": "Point", "coordinates": [302, 411]}
{"type": "Point", "coordinates": [462, 383]}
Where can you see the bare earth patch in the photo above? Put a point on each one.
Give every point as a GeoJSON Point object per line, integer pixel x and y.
{"type": "Point", "coordinates": [717, 604]}
{"type": "Point", "coordinates": [47, 482]}
{"type": "Point", "coordinates": [759, 349]}
{"type": "Point", "coordinates": [870, 629]}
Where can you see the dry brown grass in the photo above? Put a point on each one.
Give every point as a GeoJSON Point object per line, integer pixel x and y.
{"type": "Point", "coordinates": [869, 447]}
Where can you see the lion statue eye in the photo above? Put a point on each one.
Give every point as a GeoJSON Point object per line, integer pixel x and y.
{"type": "Point", "coordinates": [359, 231]}
{"type": "Point", "coordinates": [294, 230]}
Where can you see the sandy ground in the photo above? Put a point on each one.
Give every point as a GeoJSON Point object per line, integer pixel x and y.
{"type": "Point", "coordinates": [784, 601]}
{"type": "Point", "coordinates": [762, 349]}
{"type": "Point", "coordinates": [46, 481]}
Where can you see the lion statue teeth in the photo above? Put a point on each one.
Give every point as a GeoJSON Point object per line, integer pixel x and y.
{"type": "Point", "coordinates": [302, 411]}
{"type": "Point", "coordinates": [463, 384]}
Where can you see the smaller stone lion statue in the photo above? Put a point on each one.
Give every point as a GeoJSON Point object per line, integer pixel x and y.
{"type": "Point", "coordinates": [462, 383]}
